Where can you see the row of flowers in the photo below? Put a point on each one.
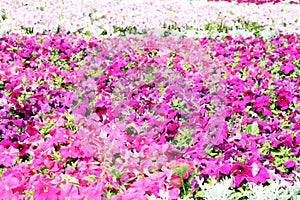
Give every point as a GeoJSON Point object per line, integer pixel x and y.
{"type": "Point", "coordinates": [111, 18]}
{"type": "Point", "coordinates": [130, 118]}
{"type": "Point", "coordinates": [148, 117]}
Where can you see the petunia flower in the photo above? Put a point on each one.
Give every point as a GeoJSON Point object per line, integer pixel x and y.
{"type": "Point", "coordinates": [260, 174]}
{"type": "Point", "coordinates": [45, 191]}
{"type": "Point", "coordinates": [81, 108]}
{"type": "Point", "coordinates": [239, 106]}
{"type": "Point", "coordinates": [225, 169]}
{"type": "Point", "coordinates": [261, 102]}
{"type": "Point", "coordinates": [241, 173]}
{"type": "Point", "coordinates": [284, 99]}
{"type": "Point", "coordinates": [70, 191]}
{"type": "Point", "coordinates": [297, 138]}
{"type": "Point", "coordinates": [282, 139]}
{"type": "Point", "coordinates": [172, 128]}
{"type": "Point", "coordinates": [8, 156]}
{"type": "Point", "coordinates": [8, 184]}
{"type": "Point", "coordinates": [287, 68]}
{"type": "Point", "coordinates": [290, 164]}
{"type": "Point", "coordinates": [74, 149]}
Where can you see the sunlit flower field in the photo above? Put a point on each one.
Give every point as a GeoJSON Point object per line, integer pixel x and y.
{"type": "Point", "coordinates": [149, 99]}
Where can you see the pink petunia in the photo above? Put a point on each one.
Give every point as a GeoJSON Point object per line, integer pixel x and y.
{"type": "Point", "coordinates": [225, 169]}
{"type": "Point", "coordinates": [8, 156]}
{"type": "Point", "coordinates": [130, 194]}
{"type": "Point", "coordinates": [45, 191]}
{"type": "Point", "coordinates": [297, 138]}
{"type": "Point", "coordinates": [74, 150]}
{"type": "Point", "coordinates": [282, 139]}
{"type": "Point", "coordinates": [69, 191]}
{"type": "Point", "coordinates": [260, 174]}
{"type": "Point", "coordinates": [241, 172]}
{"type": "Point", "coordinates": [287, 68]}
{"type": "Point", "coordinates": [7, 186]}
{"type": "Point", "coordinates": [261, 103]}
{"type": "Point", "coordinates": [284, 99]}
{"type": "Point", "coordinates": [290, 164]}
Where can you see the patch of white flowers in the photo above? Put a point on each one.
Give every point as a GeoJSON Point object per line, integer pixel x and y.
{"type": "Point", "coordinates": [103, 18]}
{"type": "Point", "coordinates": [277, 190]}
{"type": "Point", "coordinates": [281, 190]}
{"type": "Point", "coordinates": [215, 190]}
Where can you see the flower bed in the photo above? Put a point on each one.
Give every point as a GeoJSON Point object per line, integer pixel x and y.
{"type": "Point", "coordinates": [148, 117]}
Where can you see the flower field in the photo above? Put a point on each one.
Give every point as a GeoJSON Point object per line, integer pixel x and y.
{"type": "Point", "coordinates": [155, 99]}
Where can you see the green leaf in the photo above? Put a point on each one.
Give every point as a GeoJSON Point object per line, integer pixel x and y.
{"type": "Point", "coordinates": [70, 179]}
{"type": "Point", "coordinates": [90, 178]}
{"type": "Point", "coordinates": [252, 128]}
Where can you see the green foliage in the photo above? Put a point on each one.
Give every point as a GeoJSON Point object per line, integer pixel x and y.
{"type": "Point", "coordinates": [213, 152]}
{"type": "Point", "coordinates": [173, 26]}
{"type": "Point", "coordinates": [252, 128]}
{"type": "Point", "coordinates": [152, 53]}
{"type": "Point", "coordinates": [183, 138]}
{"type": "Point", "coordinates": [180, 171]}
{"type": "Point", "coordinates": [49, 123]}
{"type": "Point", "coordinates": [3, 14]}
{"type": "Point", "coordinates": [69, 179]}
{"type": "Point", "coordinates": [213, 26]}
{"type": "Point", "coordinates": [128, 66]}
{"type": "Point", "coordinates": [282, 155]}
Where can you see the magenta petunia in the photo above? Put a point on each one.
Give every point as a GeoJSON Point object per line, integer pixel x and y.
{"type": "Point", "coordinates": [248, 96]}
{"type": "Point", "coordinates": [297, 138]}
{"type": "Point", "coordinates": [282, 139]}
{"type": "Point", "coordinates": [8, 185]}
{"type": "Point", "coordinates": [267, 112]}
{"type": "Point", "coordinates": [8, 156]}
{"type": "Point", "coordinates": [225, 169]}
{"type": "Point", "coordinates": [92, 191]}
{"type": "Point", "coordinates": [260, 174]}
{"type": "Point", "coordinates": [284, 99]}
{"type": "Point", "coordinates": [261, 103]}
{"type": "Point", "coordinates": [287, 68]}
{"type": "Point", "coordinates": [239, 106]}
{"type": "Point", "coordinates": [290, 164]}
{"type": "Point", "coordinates": [241, 172]}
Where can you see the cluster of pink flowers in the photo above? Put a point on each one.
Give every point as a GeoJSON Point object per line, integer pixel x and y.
{"type": "Point", "coordinates": [129, 118]}
{"type": "Point", "coordinates": [126, 118]}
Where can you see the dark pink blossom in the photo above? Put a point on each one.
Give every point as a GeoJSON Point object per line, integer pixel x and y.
{"type": "Point", "coordinates": [297, 138]}
{"type": "Point", "coordinates": [241, 173]}
{"type": "Point", "coordinates": [290, 164]}
{"type": "Point", "coordinates": [282, 140]}
{"type": "Point", "coordinates": [284, 99]}
{"type": "Point", "coordinates": [287, 68]}
{"type": "Point", "coordinates": [261, 101]}
{"type": "Point", "coordinates": [260, 174]}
